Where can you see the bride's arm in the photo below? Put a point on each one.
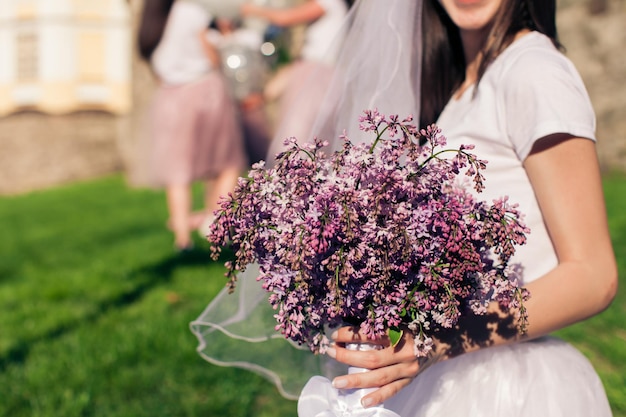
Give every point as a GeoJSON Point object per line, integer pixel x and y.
{"type": "Point", "coordinates": [306, 12]}
{"type": "Point", "coordinates": [566, 179]}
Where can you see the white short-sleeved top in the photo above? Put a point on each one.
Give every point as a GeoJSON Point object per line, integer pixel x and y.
{"type": "Point", "coordinates": [179, 58]}
{"type": "Point", "coordinates": [321, 35]}
{"type": "Point", "coordinates": [530, 91]}
{"type": "Point", "coordinates": [247, 38]}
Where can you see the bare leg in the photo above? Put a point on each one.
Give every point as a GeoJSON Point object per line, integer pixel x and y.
{"type": "Point", "coordinates": [209, 187]}
{"type": "Point", "coordinates": [223, 185]}
{"type": "Point", "coordinates": [179, 206]}
{"type": "Point", "coordinates": [220, 187]}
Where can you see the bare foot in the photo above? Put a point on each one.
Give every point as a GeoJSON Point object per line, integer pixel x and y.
{"type": "Point", "coordinates": [195, 220]}
{"type": "Point", "coordinates": [204, 228]}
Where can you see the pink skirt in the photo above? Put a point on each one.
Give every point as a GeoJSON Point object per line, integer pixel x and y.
{"type": "Point", "coordinates": [193, 133]}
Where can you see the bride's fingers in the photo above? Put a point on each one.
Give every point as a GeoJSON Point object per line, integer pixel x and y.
{"type": "Point", "coordinates": [373, 359]}
{"type": "Point", "coordinates": [388, 355]}
{"type": "Point", "coordinates": [390, 368]}
{"type": "Point", "coordinates": [346, 335]}
{"type": "Point", "coordinates": [384, 393]}
{"type": "Point", "coordinates": [389, 381]}
{"type": "Point", "coordinates": [375, 378]}
{"type": "Point", "coordinates": [349, 334]}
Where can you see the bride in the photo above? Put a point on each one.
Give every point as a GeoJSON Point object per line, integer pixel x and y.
{"type": "Point", "coordinates": [489, 73]}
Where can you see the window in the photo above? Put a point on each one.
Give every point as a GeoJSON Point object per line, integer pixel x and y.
{"type": "Point", "coordinates": [27, 43]}
{"type": "Point", "coordinates": [91, 59]}
{"type": "Point", "coordinates": [91, 9]}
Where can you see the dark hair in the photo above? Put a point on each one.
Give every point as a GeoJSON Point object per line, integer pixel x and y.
{"type": "Point", "coordinates": [152, 24]}
{"type": "Point", "coordinates": [443, 61]}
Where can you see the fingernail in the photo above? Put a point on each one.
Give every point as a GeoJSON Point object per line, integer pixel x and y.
{"type": "Point", "coordinates": [367, 402]}
{"type": "Point", "coordinates": [340, 383]}
{"type": "Point", "coordinates": [332, 352]}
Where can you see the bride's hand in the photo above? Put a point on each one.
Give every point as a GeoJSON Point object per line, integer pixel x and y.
{"type": "Point", "coordinates": [391, 368]}
{"type": "Point", "coordinates": [394, 367]}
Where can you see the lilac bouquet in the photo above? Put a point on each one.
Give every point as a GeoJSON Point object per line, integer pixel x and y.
{"type": "Point", "coordinates": [377, 235]}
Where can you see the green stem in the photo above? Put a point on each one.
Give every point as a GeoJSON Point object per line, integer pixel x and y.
{"type": "Point", "coordinates": [378, 137]}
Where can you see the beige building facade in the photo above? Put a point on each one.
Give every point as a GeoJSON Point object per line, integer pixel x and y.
{"type": "Point", "coordinates": [41, 147]}
{"type": "Point", "coordinates": [61, 56]}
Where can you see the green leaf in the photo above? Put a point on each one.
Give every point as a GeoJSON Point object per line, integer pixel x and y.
{"type": "Point", "coordinates": [395, 335]}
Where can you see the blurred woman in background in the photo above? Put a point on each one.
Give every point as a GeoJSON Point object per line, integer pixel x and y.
{"type": "Point", "coordinates": [324, 20]}
{"type": "Point", "coordinates": [193, 131]}
{"type": "Point", "coordinates": [247, 70]}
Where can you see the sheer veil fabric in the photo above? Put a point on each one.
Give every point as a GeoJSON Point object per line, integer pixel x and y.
{"type": "Point", "coordinates": [378, 67]}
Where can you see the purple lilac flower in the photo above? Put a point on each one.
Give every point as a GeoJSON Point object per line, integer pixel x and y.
{"type": "Point", "coordinates": [375, 234]}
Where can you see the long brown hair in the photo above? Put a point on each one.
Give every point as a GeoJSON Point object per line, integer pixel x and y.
{"type": "Point", "coordinates": [443, 61]}
{"type": "Point", "coordinates": [152, 24]}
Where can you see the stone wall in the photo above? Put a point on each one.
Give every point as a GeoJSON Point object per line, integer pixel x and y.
{"type": "Point", "coordinates": [597, 45]}
{"type": "Point", "coordinates": [39, 151]}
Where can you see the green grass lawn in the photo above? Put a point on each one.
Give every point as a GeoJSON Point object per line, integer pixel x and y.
{"type": "Point", "coordinates": [95, 306]}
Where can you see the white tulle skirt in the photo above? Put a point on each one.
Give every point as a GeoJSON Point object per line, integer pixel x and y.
{"type": "Point", "coordinates": [544, 377]}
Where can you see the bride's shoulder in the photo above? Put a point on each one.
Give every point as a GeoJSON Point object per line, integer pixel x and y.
{"type": "Point", "coordinates": [530, 59]}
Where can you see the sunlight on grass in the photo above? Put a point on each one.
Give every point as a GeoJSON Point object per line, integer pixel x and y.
{"type": "Point", "coordinates": [95, 306]}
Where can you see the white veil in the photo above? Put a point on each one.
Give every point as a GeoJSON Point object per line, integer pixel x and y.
{"type": "Point", "coordinates": [379, 67]}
